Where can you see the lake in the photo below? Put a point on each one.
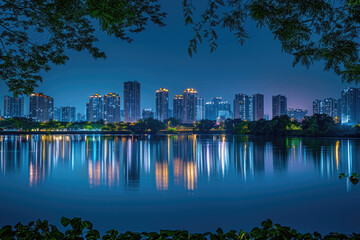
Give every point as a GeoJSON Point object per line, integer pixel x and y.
{"type": "Point", "coordinates": [192, 182]}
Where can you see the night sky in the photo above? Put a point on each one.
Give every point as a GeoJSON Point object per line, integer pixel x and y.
{"type": "Point", "coordinates": [158, 58]}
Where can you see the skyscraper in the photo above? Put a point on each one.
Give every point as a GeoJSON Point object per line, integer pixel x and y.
{"type": "Point", "coordinates": [41, 107]}
{"type": "Point", "coordinates": [131, 101]}
{"type": "Point", "coordinates": [297, 114]}
{"type": "Point", "coordinates": [68, 114]}
{"type": "Point", "coordinates": [350, 106]}
{"type": "Point", "coordinates": [178, 107]}
{"type": "Point", "coordinates": [329, 106]}
{"type": "Point", "coordinates": [317, 106]}
{"type": "Point", "coordinates": [224, 111]}
{"type": "Point", "coordinates": [94, 108]}
{"type": "Point", "coordinates": [200, 108]}
{"type": "Point", "coordinates": [216, 108]}
{"type": "Point", "coordinates": [147, 113]}
{"type": "Point", "coordinates": [80, 117]}
{"type": "Point", "coordinates": [243, 107]}
{"type": "Point", "coordinates": [258, 107]}
{"type": "Point", "coordinates": [190, 98]}
{"type": "Point", "coordinates": [210, 111]}
{"type": "Point", "coordinates": [112, 108]}
{"type": "Point", "coordinates": [162, 104]}
{"type": "Point", "coordinates": [279, 105]}
{"type": "Point", "coordinates": [13, 107]}
{"type": "Point", "coordinates": [57, 114]}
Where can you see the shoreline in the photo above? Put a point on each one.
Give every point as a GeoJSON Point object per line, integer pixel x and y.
{"type": "Point", "coordinates": [126, 133]}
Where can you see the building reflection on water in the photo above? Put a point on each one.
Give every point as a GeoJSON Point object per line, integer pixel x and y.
{"type": "Point", "coordinates": [167, 162]}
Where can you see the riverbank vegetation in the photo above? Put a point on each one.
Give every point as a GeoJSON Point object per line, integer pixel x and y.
{"type": "Point", "coordinates": [318, 125]}
{"type": "Point", "coordinates": [76, 228]}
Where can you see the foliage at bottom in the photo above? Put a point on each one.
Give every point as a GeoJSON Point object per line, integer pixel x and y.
{"type": "Point", "coordinates": [77, 229]}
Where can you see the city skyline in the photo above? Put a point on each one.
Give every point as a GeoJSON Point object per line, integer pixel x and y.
{"type": "Point", "coordinates": [188, 108]}
{"type": "Point", "coordinates": [158, 58]}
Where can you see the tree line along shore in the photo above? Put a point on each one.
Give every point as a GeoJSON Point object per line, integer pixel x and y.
{"type": "Point", "coordinates": [318, 125]}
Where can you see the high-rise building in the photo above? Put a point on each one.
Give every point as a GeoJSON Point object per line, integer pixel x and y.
{"type": "Point", "coordinates": [131, 101]}
{"type": "Point", "coordinates": [190, 99]}
{"type": "Point", "coordinates": [350, 106]}
{"type": "Point", "coordinates": [112, 108]}
{"type": "Point", "coordinates": [210, 111]}
{"type": "Point", "coordinates": [80, 117]}
{"type": "Point", "coordinates": [279, 105]}
{"type": "Point", "coordinates": [147, 113]}
{"type": "Point", "coordinates": [41, 107]}
{"type": "Point", "coordinates": [178, 107]}
{"type": "Point", "coordinates": [258, 107]}
{"type": "Point", "coordinates": [329, 106]}
{"type": "Point", "coordinates": [94, 108]}
{"type": "Point", "coordinates": [13, 107]}
{"type": "Point", "coordinates": [87, 112]}
{"type": "Point", "coordinates": [171, 113]}
{"type": "Point", "coordinates": [57, 114]}
{"type": "Point", "coordinates": [297, 114]}
{"type": "Point", "coordinates": [243, 107]}
{"type": "Point", "coordinates": [216, 108]}
{"type": "Point", "coordinates": [200, 108]}
{"type": "Point", "coordinates": [162, 104]}
{"type": "Point", "coordinates": [317, 106]}
{"type": "Point", "coordinates": [68, 114]}
{"type": "Point", "coordinates": [224, 111]}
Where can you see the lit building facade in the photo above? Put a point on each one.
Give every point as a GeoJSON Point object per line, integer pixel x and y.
{"type": "Point", "coordinates": [217, 108]}
{"type": "Point", "coordinates": [297, 114]}
{"type": "Point", "coordinates": [13, 107]}
{"type": "Point", "coordinates": [190, 99]}
{"type": "Point", "coordinates": [68, 114]}
{"type": "Point", "coordinates": [350, 106]}
{"type": "Point", "coordinates": [162, 104]}
{"type": "Point", "coordinates": [243, 107]}
{"type": "Point", "coordinates": [95, 108]}
{"type": "Point", "coordinates": [328, 106]}
{"type": "Point", "coordinates": [258, 106]}
{"type": "Point", "coordinates": [279, 105]}
{"type": "Point", "coordinates": [178, 107]}
{"type": "Point", "coordinates": [224, 111]}
{"type": "Point", "coordinates": [131, 101]}
{"type": "Point", "coordinates": [331, 107]}
{"type": "Point", "coordinates": [57, 114]}
{"type": "Point", "coordinates": [112, 108]}
{"type": "Point", "coordinates": [317, 106]}
{"type": "Point", "coordinates": [200, 108]}
{"type": "Point", "coordinates": [80, 117]}
{"type": "Point", "coordinates": [41, 107]}
{"type": "Point", "coordinates": [147, 113]}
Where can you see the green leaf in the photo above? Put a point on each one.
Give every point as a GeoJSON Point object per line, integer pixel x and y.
{"type": "Point", "coordinates": [65, 221]}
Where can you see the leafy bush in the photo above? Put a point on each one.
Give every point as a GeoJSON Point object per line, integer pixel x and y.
{"type": "Point", "coordinates": [78, 229]}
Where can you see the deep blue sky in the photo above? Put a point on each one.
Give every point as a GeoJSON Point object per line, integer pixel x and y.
{"type": "Point", "coordinates": [158, 58]}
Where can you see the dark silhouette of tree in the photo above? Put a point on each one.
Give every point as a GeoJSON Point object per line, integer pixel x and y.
{"type": "Point", "coordinates": [154, 125]}
{"type": "Point", "coordinates": [229, 125]}
{"type": "Point", "coordinates": [319, 125]}
{"type": "Point", "coordinates": [35, 35]}
{"type": "Point", "coordinates": [323, 31]}
{"type": "Point", "coordinates": [172, 122]}
{"type": "Point", "coordinates": [205, 125]}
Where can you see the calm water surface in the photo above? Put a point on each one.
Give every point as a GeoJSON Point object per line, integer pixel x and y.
{"type": "Point", "coordinates": [197, 183]}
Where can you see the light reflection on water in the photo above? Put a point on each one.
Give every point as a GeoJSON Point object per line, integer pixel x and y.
{"type": "Point", "coordinates": [113, 161]}
{"type": "Point", "coordinates": [186, 164]}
